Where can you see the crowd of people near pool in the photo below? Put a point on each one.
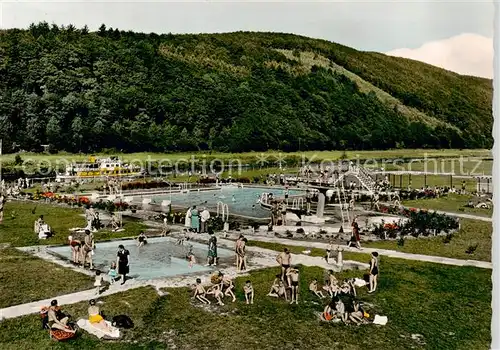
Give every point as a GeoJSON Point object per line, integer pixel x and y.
{"type": "Point", "coordinates": [343, 306]}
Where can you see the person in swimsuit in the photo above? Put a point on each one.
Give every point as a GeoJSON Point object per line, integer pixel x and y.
{"type": "Point", "coordinates": [278, 289]}
{"type": "Point", "coordinates": [357, 313]}
{"type": "Point", "coordinates": [329, 250]}
{"type": "Point", "coordinates": [227, 286]}
{"type": "Point", "coordinates": [242, 255]}
{"type": "Point", "coordinates": [88, 247]}
{"type": "Point", "coordinates": [142, 239]}
{"type": "Point", "coordinates": [308, 201]}
{"type": "Point", "coordinates": [293, 276]}
{"type": "Point", "coordinates": [98, 282]}
{"type": "Point", "coordinates": [285, 260]}
{"type": "Point", "coordinates": [95, 317]}
{"type": "Point", "coordinates": [283, 214]}
{"type": "Point", "coordinates": [112, 273]}
{"type": "Point", "coordinates": [58, 322]}
{"type": "Point", "coordinates": [313, 287]}
{"type": "Point", "coordinates": [249, 292]}
{"type": "Point", "coordinates": [236, 249]}
{"type": "Point", "coordinates": [355, 233]}
{"type": "Point", "coordinates": [373, 272]}
{"type": "Point", "coordinates": [329, 312]}
{"type": "Point", "coordinates": [75, 249]}
{"type": "Point", "coordinates": [122, 262]}
{"type": "Point", "coordinates": [200, 293]}
{"type": "Point", "coordinates": [216, 291]}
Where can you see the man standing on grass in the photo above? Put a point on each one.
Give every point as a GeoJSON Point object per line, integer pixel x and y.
{"type": "Point", "coordinates": [285, 260]}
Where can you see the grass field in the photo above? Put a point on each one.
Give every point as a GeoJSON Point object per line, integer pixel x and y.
{"type": "Point", "coordinates": [270, 156]}
{"type": "Point", "coordinates": [472, 232]}
{"type": "Point", "coordinates": [454, 203]}
{"type": "Point", "coordinates": [25, 278]}
{"type": "Point", "coordinates": [434, 301]}
{"type": "Point", "coordinates": [458, 166]}
{"type": "Point", "coordinates": [19, 219]}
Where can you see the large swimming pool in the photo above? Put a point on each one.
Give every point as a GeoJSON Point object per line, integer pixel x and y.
{"type": "Point", "coordinates": [161, 257]}
{"type": "Point", "coordinates": [240, 201]}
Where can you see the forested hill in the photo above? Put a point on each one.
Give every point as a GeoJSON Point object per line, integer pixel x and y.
{"type": "Point", "coordinates": [88, 91]}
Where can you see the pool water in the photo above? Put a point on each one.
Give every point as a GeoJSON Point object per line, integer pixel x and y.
{"type": "Point", "coordinates": [161, 257]}
{"type": "Point", "coordinates": [244, 202]}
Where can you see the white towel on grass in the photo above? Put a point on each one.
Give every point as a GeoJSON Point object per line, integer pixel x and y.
{"type": "Point", "coordinates": [358, 282]}
{"type": "Point", "coordinates": [99, 333]}
{"type": "Point", "coordinates": [381, 320]}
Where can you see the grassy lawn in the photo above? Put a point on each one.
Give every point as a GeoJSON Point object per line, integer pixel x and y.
{"type": "Point", "coordinates": [472, 232]}
{"type": "Point", "coordinates": [418, 298]}
{"type": "Point", "coordinates": [458, 166]}
{"type": "Point", "coordinates": [454, 203]}
{"type": "Point", "coordinates": [419, 181]}
{"type": "Point", "coordinates": [19, 218]}
{"type": "Point", "coordinates": [25, 278]}
{"type": "Point", "coordinates": [273, 156]}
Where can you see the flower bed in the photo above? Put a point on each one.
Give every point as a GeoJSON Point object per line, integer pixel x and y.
{"type": "Point", "coordinates": [81, 201]}
{"type": "Point", "coordinates": [421, 223]}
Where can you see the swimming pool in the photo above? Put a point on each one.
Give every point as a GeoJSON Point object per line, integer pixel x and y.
{"type": "Point", "coordinates": [161, 257]}
{"type": "Point", "coordinates": [240, 201]}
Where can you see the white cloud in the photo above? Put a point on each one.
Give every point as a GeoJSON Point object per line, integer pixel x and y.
{"type": "Point", "coordinates": [468, 54]}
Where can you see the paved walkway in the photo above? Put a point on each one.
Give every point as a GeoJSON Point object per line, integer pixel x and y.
{"type": "Point", "coordinates": [384, 252]}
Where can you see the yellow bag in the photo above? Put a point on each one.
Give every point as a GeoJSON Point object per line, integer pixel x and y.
{"type": "Point", "coordinates": [366, 315]}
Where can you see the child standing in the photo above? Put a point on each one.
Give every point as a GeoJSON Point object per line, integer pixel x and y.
{"type": "Point", "coordinates": [249, 292]}
{"type": "Point", "coordinates": [293, 275]}
{"type": "Point", "coordinates": [112, 273]}
{"type": "Point", "coordinates": [98, 282]}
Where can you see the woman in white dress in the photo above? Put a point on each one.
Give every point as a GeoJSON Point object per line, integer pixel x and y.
{"type": "Point", "coordinates": [187, 221]}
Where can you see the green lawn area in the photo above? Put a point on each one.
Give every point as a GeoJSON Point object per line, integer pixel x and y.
{"type": "Point", "coordinates": [419, 181]}
{"type": "Point", "coordinates": [25, 278]}
{"type": "Point", "coordinates": [19, 218]}
{"type": "Point", "coordinates": [459, 166]}
{"type": "Point", "coordinates": [273, 156]}
{"type": "Point", "coordinates": [454, 203]}
{"type": "Point", "coordinates": [435, 301]}
{"type": "Point", "coordinates": [472, 232]}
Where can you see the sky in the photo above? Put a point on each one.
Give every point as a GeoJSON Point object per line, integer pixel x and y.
{"type": "Point", "coordinates": [454, 35]}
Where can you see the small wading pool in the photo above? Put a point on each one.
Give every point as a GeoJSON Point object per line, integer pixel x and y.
{"type": "Point", "coordinates": [244, 202]}
{"type": "Point", "coordinates": [160, 257]}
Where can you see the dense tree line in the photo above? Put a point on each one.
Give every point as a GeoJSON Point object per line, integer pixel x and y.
{"type": "Point", "coordinates": [88, 91]}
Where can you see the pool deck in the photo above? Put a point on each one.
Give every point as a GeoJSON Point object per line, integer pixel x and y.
{"type": "Point", "coordinates": [261, 258]}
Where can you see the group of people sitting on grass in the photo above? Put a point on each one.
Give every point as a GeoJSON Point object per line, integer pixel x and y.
{"type": "Point", "coordinates": [42, 229]}
{"type": "Point", "coordinates": [221, 286]}
{"type": "Point", "coordinates": [62, 327]}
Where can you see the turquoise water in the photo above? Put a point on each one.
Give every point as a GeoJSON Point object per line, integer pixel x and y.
{"type": "Point", "coordinates": [244, 202]}
{"type": "Point", "coordinates": [161, 257]}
